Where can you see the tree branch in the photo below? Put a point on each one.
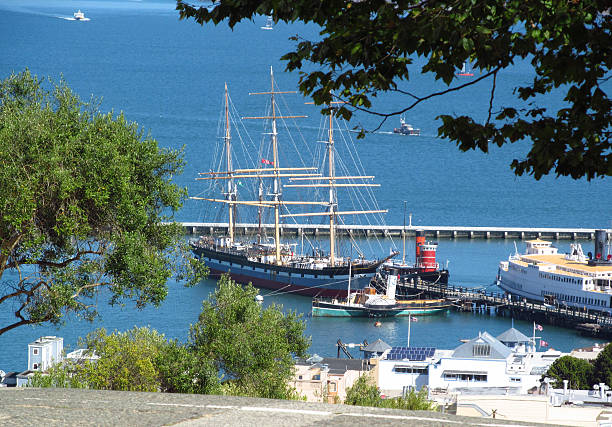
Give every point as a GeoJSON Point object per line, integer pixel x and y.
{"type": "Point", "coordinates": [6, 249]}
{"type": "Point", "coordinates": [385, 116]}
{"type": "Point", "coordinates": [15, 325]}
{"type": "Point", "coordinates": [492, 96]}
{"type": "Point", "coordinates": [91, 285]}
{"type": "Point", "coordinates": [69, 260]}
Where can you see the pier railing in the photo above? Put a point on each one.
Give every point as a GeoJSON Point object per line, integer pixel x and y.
{"type": "Point", "coordinates": [433, 231]}
{"type": "Point", "coordinates": [591, 322]}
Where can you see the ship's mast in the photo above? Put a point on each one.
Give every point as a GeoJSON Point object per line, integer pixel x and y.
{"type": "Point", "coordinates": [404, 237]}
{"type": "Point", "coordinates": [276, 175]}
{"type": "Point", "coordinates": [259, 208]}
{"type": "Point", "coordinates": [274, 172]}
{"type": "Point", "coordinates": [231, 190]}
{"type": "Point", "coordinates": [277, 192]}
{"type": "Point", "coordinates": [332, 192]}
{"type": "Point", "coordinates": [333, 184]}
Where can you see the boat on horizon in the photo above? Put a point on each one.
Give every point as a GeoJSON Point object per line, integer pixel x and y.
{"type": "Point", "coordinates": [269, 24]}
{"type": "Point", "coordinates": [464, 72]}
{"type": "Point", "coordinates": [559, 280]}
{"type": "Point", "coordinates": [78, 15]}
{"type": "Point", "coordinates": [406, 129]}
{"type": "Point", "coordinates": [267, 262]}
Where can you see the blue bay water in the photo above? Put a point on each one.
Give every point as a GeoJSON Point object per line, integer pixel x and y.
{"type": "Point", "coordinates": [168, 76]}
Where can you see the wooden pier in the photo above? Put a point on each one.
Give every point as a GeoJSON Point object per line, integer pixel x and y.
{"type": "Point", "coordinates": [442, 231]}
{"type": "Point", "coordinates": [589, 322]}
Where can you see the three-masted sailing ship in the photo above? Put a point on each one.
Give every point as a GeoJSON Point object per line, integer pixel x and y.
{"type": "Point", "coordinates": [276, 265]}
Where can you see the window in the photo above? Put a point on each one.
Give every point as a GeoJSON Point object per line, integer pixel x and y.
{"type": "Point", "coordinates": [465, 376]}
{"type": "Point", "coordinates": [333, 387]}
{"type": "Point", "coordinates": [299, 377]}
{"type": "Point", "coordinates": [515, 380]}
{"type": "Point", "coordinates": [35, 351]}
{"type": "Point", "coordinates": [421, 370]}
{"type": "Point", "coordinates": [481, 350]}
{"type": "Point", "coordinates": [35, 366]}
{"type": "Point", "coordinates": [316, 377]}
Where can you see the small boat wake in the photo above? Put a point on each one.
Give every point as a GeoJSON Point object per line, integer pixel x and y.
{"type": "Point", "coordinates": [69, 18]}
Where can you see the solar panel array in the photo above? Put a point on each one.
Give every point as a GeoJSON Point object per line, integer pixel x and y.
{"type": "Point", "coordinates": [411, 353]}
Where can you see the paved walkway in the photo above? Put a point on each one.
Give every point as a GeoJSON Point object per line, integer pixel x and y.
{"type": "Point", "coordinates": [29, 406]}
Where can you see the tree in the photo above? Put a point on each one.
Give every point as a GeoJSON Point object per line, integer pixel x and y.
{"type": "Point", "coordinates": [367, 47]}
{"type": "Point", "coordinates": [126, 360]}
{"type": "Point", "coordinates": [578, 372]}
{"type": "Point", "coordinates": [252, 346]}
{"type": "Point", "coordinates": [365, 393]}
{"type": "Point", "coordinates": [86, 205]}
{"type": "Point", "coordinates": [136, 360]}
{"type": "Point", "coordinates": [182, 370]}
{"type": "Point", "coordinates": [602, 367]}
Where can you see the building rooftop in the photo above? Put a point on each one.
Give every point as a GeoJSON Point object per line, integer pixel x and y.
{"type": "Point", "coordinates": [337, 366]}
{"type": "Point", "coordinates": [484, 346]}
{"type": "Point", "coordinates": [377, 346]}
{"type": "Point", "coordinates": [47, 339]}
{"type": "Point", "coordinates": [513, 335]}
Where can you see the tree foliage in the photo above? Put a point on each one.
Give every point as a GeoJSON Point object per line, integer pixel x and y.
{"type": "Point", "coordinates": [368, 47]}
{"type": "Point", "coordinates": [236, 348]}
{"type": "Point", "coordinates": [578, 372]}
{"type": "Point", "coordinates": [86, 205]}
{"type": "Point", "coordinates": [182, 370]}
{"type": "Point", "coordinates": [253, 347]}
{"type": "Point", "coordinates": [136, 360]}
{"type": "Point", "coordinates": [365, 393]}
{"type": "Point", "coordinates": [602, 367]}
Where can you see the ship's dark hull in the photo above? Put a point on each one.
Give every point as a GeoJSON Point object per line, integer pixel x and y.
{"type": "Point", "coordinates": [327, 282]}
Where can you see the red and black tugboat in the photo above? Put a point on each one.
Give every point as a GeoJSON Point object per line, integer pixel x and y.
{"type": "Point", "coordinates": [425, 268]}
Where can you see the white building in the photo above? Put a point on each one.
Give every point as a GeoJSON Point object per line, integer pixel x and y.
{"type": "Point", "coordinates": [588, 353]}
{"type": "Point", "coordinates": [45, 352]}
{"type": "Point", "coordinates": [508, 364]}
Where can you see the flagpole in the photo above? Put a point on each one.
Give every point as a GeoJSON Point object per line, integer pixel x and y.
{"type": "Point", "coordinates": [409, 322]}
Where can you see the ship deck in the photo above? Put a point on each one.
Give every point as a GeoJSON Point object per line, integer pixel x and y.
{"type": "Point", "coordinates": [560, 260]}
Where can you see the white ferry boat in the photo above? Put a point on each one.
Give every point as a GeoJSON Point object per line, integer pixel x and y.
{"type": "Point", "coordinates": [78, 15]}
{"type": "Point", "coordinates": [566, 280]}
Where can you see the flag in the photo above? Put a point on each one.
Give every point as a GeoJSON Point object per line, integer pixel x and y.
{"type": "Point", "coordinates": [267, 162]}
{"type": "Point", "coordinates": [414, 319]}
{"type": "Point", "coordinates": [543, 343]}
{"type": "Point", "coordinates": [539, 327]}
